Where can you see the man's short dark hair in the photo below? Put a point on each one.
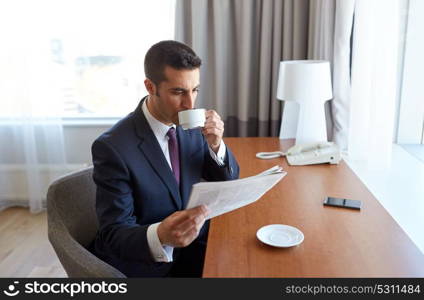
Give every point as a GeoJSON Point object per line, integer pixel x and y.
{"type": "Point", "coordinates": [169, 53]}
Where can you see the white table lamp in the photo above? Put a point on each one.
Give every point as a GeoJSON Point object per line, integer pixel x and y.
{"type": "Point", "coordinates": [308, 82]}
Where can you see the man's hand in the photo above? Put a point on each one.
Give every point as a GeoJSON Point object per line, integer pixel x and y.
{"type": "Point", "coordinates": [213, 130]}
{"type": "Point", "coordinates": [182, 227]}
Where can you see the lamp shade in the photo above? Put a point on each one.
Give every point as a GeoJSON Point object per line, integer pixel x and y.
{"type": "Point", "coordinates": [308, 84]}
{"type": "Point", "coordinates": [304, 80]}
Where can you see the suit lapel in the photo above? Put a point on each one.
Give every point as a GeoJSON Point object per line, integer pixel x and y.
{"type": "Point", "coordinates": [149, 146]}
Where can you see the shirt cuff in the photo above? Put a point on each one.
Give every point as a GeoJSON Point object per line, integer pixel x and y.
{"type": "Point", "coordinates": [160, 253]}
{"type": "Point", "coordinates": [220, 156]}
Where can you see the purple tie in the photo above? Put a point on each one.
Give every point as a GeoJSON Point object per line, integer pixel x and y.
{"type": "Point", "coordinates": [173, 153]}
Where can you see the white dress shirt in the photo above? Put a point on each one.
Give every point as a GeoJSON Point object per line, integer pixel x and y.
{"type": "Point", "coordinates": [163, 253]}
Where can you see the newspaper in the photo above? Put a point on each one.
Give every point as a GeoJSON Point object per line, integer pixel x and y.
{"type": "Point", "coordinates": [224, 196]}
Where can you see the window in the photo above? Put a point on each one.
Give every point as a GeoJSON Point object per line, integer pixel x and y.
{"type": "Point", "coordinates": [83, 58]}
{"type": "Point", "coordinates": [411, 109]}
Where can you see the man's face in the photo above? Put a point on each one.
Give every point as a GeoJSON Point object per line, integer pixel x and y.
{"type": "Point", "coordinates": [178, 92]}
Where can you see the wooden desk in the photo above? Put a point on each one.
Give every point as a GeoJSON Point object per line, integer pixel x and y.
{"type": "Point", "coordinates": [338, 242]}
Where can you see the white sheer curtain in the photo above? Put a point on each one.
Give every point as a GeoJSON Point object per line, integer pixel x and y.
{"type": "Point", "coordinates": [375, 61]}
{"type": "Point", "coordinates": [32, 149]}
{"type": "Point", "coordinates": [342, 70]}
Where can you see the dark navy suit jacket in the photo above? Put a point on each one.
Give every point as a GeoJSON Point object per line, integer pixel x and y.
{"type": "Point", "coordinates": [136, 188]}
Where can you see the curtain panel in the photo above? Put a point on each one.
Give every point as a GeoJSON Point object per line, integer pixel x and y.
{"type": "Point", "coordinates": [242, 42]}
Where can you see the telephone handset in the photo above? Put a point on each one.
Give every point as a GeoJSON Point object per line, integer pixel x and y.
{"type": "Point", "coordinates": [307, 154]}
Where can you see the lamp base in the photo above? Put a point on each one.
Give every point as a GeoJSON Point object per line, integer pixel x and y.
{"type": "Point", "coordinates": [289, 120]}
{"type": "Point", "coordinates": [311, 126]}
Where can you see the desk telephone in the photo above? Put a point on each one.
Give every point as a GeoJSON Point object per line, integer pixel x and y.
{"type": "Point", "coordinates": [308, 154]}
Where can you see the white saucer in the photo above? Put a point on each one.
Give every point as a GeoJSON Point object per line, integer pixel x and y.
{"type": "Point", "coordinates": [279, 235]}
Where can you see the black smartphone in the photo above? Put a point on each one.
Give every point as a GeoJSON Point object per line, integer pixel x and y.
{"type": "Point", "coordinates": [342, 202]}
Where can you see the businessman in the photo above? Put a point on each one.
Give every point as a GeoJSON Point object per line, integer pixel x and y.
{"type": "Point", "coordinates": [144, 169]}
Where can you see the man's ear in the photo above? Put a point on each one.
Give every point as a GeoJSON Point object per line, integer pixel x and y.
{"type": "Point", "coordinates": [150, 87]}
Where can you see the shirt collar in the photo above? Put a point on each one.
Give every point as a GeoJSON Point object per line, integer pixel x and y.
{"type": "Point", "coordinates": [158, 128]}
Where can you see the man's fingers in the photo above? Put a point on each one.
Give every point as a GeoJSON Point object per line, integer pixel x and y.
{"type": "Point", "coordinates": [214, 124]}
{"type": "Point", "coordinates": [198, 210]}
{"type": "Point", "coordinates": [187, 229]}
{"type": "Point", "coordinates": [187, 238]}
{"type": "Point", "coordinates": [195, 218]}
{"type": "Point", "coordinates": [203, 209]}
{"type": "Point", "coordinates": [214, 131]}
{"type": "Point", "coordinates": [180, 216]}
{"type": "Point", "coordinates": [211, 113]}
{"type": "Point", "coordinates": [184, 233]}
{"type": "Point", "coordinates": [188, 224]}
{"type": "Point", "coordinates": [181, 226]}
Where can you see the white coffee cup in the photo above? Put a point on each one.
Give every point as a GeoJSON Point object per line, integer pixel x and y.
{"type": "Point", "coordinates": [192, 118]}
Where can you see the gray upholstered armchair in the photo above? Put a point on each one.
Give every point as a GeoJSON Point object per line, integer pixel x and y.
{"type": "Point", "coordinates": [72, 225]}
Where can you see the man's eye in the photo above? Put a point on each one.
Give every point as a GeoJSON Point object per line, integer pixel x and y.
{"type": "Point", "coordinates": [196, 90]}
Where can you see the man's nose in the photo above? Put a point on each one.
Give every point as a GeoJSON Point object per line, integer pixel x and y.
{"type": "Point", "coordinates": [188, 101]}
